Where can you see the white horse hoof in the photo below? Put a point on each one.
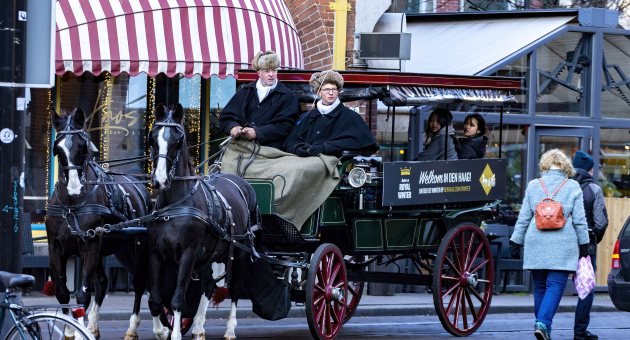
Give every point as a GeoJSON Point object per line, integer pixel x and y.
{"type": "Point", "coordinates": [163, 335]}
{"type": "Point", "coordinates": [230, 338]}
{"type": "Point", "coordinates": [131, 336]}
{"type": "Point", "coordinates": [199, 336]}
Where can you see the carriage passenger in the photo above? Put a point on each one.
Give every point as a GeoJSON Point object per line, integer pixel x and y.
{"type": "Point", "coordinates": [438, 127]}
{"type": "Point", "coordinates": [473, 144]}
{"type": "Point", "coordinates": [329, 127]}
{"type": "Point", "coordinates": [264, 110]}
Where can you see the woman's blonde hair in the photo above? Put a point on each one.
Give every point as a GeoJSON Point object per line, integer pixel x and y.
{"type": "Point", "coordinates": [557, 158]}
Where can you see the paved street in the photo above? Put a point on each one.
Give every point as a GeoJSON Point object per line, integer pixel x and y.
{"type": "Point", "coordinates": [608, 325]}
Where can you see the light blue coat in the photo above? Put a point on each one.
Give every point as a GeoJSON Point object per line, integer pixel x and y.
{"type": "Point", "coordinates": [558, 249]}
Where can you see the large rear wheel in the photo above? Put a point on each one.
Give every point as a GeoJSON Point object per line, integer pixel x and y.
{"type": "Point", "coordinates": [326, 291]}
{"type": "Point", "coordinates": [462, 279]}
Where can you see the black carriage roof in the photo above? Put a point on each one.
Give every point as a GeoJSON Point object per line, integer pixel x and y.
{"type": "Point", "coordinates": [404, 89]}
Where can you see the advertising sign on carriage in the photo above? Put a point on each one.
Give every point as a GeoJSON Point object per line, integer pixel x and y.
{"type": "Point", "coordinates": [413, 183]}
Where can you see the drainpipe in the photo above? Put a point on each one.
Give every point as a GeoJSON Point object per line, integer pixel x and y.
{"type": "Point", "coordinates": [341, 8]}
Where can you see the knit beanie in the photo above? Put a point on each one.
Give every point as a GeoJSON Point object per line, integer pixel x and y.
{"type": "Point", "coordinates": [582, 160]}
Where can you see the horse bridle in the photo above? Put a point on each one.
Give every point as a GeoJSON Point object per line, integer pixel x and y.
{"type": "Point", "coordinates": [83, 134]}
{"type": "Point", "coordinates": [174, 161]}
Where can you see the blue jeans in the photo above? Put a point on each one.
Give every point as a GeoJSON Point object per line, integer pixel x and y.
{"type": "Point", "coordinates": [548, 288]}
{"type": "Point", "coordinates": [583, 310]}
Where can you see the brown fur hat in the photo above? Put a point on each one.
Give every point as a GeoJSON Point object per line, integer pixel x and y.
{"type": "Point", "coordinates": [267, 60]}
{"type": "Point", "coordinates": [326, 77]}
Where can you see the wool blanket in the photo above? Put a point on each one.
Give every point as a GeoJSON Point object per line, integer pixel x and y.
{"type": "Point", "coordinates": [301, 184]}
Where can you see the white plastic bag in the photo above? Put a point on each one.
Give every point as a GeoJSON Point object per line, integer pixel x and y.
{"type": "Point", "coordinates": [584, 277]}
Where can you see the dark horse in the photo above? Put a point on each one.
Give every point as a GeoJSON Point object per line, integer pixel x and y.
{"type": "Point", "coordinates": [85, 200]}
{"type": "Point", "coordinates": [195, 220]}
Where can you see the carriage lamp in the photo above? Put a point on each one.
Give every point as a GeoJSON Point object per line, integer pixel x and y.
{"type": "Point", "coordinates": [357, 177]}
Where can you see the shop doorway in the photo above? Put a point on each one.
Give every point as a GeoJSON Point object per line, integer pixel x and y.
{"type": "Point", "coordinates": [569, 140]}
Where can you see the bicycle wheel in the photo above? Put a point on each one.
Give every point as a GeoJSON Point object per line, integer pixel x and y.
{"type": "Point", "coordinates": [50, 326]}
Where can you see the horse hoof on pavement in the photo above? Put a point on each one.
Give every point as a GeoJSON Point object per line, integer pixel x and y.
{"type": "Point", "coordinates": [96, 333]}
{"type": "Point", "coordinates": [199, 336]}
{"type": "Point", "coordinates": [163, 335]}
{"type": "Point", "coordinates": [230, 338]}
{"type": "Point", "coordinates": [131, 336]}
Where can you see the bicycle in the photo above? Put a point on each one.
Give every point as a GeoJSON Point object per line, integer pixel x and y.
{"type": "Point", "coordinates": [41, 322]}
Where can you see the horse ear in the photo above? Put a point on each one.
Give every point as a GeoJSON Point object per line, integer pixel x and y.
{"type": "Point", "coordinates": [79, 117]}
{"type": "Point", "coordinates": [178, 115]}
{"type": "Point", "coordinates": [160, 112]}
{"type": "Point", "coordinates": [57, 120]}
{"type": "Point", "coordinates": [93, 147]}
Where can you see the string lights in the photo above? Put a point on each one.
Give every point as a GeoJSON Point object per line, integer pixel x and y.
{"type": "Point", "coordinates": [150, 120]}
{"type": "Point", "coordinates": [106, 114]}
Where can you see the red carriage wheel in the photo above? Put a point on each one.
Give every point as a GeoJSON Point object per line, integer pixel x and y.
{"type": "Point", "coordinates": [167, 317]}
{"type": "Point", "coordinates": [462, 279]}
{"type": "Point", "coordinates": [326, 290]}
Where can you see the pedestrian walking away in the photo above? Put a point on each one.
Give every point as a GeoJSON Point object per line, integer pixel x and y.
{"type": "Point", "coordinates": [551, 255]}
{"type": "Point", "coordinates": [597, 221]}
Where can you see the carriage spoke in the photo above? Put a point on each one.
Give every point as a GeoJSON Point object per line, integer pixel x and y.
{"type": "Point", "coordinates": [455, 262]}
{"type": "Point", "coordinates": [463, 311]}
{"type": "Point", "coordinates": [470, 259]}
{"type": "Point", "coordinates": [482, 264]}
{"type": "Point", "coordinates": [477, 295]}
{"type": "Point", "coordinates": [471, 306]}
{"type": "Point", "coordinates": [450, 290]}
{"type": "Point", "coordinates": [453, 266]}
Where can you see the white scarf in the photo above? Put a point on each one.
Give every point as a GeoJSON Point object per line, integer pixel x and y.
{"type": "Point", "coordinates": [326, 109]}
{"type": "Point", "coordinates": [263, 91]}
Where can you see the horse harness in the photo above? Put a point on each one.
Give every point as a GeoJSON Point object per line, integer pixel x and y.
{"type": "Point", "coordinates": [118, 203]}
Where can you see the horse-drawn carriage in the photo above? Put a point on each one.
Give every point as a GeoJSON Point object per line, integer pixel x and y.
{"type": "Point", "coordinates": [380, 210]}
{"type": "Point", "coordinates": [385, 210]}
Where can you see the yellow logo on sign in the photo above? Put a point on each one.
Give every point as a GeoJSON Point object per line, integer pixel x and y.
{"type": "Point", "coordinates": [488, 179]}
{"type": "Point", "coordinates": [405, 171]}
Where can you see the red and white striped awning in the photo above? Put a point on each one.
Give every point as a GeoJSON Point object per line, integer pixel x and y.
{"type": "Point", "coordinates": [187, 37]}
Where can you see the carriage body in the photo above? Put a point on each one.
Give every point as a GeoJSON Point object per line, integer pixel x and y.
{"type": "Point", "coordinates": [384, 210]}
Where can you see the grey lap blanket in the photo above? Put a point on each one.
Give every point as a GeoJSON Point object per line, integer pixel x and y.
{"type": "Point", "coordinates": [301, 184]}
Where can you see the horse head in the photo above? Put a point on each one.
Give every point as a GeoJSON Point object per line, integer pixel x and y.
{"type": "Point", "coordinates": [73, 148]}
{"type": "Point", "coordinates": [167, 140]}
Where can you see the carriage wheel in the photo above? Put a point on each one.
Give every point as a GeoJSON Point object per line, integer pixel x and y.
{"type": "Point", "coordinates": [462, 279]}
{"type": "Point", "coordinates": [326, 290]}
{"type": "Point", "coordinates": [167, 317]}
{"type": "Point", "coordinates": [355, 291]}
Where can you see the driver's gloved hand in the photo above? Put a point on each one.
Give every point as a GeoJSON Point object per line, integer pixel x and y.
{"type": "Point", "coordinates": [315, 150]}
{"type": "Point", "coordinates": [302, 150]}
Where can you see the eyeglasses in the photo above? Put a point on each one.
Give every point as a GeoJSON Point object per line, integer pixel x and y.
{"type": "Point", "coordinates": [329, 91]}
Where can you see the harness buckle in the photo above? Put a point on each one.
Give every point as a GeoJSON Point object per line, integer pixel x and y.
{"type": "Point", "coordinates": [91, 233]}
{"type": "Point", "coordinates": [166, 218]}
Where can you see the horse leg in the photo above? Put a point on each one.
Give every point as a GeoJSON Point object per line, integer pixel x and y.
{"type": "Point", "coordinates": [186, 266]}
{"type": "Point", "coordinates": [155, 303]}
{"type": "Point", "coordinates": [231, 323]}
{"type": "Point", "coordinates": [198, 332]}
{"type": "Point", "coordinates": [139, 285]}
{"type": "Point", "coordinates": [100, 284]}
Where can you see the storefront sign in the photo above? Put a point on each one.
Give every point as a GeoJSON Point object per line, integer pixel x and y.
{"type": "Point", "coordinates": [414, 183]}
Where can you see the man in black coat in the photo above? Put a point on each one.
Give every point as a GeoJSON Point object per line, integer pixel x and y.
{"type": "Point", "coordinates": [264, 110]}
{"type": "Point", "coordinates": [330, 127]}
{"type": "Point", "coordinates": [597, 220]}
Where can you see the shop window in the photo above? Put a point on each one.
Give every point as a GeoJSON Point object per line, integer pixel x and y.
{"type": "Point", "coordinates": [190, 99]}
{"type": "Point", "coordinates": [516, 69]}
{"type": "Point", "coordinates": [615, 162]}
{"type": "Point", "coordinates": [563, 68]}
{"type": "Point", "coordinates": [616, 74]}
{"type": "Point", "coordinates": [413, 6]}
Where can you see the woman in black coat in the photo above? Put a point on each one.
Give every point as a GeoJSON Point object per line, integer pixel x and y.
{"type": "Point", "coordinates": [473, 144]}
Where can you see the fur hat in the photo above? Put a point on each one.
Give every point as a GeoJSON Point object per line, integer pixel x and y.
{"type": "Point", "coordinates": [326, 77]}
{"type": "Point", "coordinates": [267, 60]}
{"type": "Point", "coordinates": [582, 160]}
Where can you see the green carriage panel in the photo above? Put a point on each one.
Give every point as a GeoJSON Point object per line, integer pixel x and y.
{"type": "Point", "coordinates": [331, 212]}
{"type": "Point", "coordinates": [400, 233]}
{"type": "Point", "coordinates": [368, 234]}
{"type": "Point", "coordinates": [264, 195]}
{"type": "Point", "coordinates": [430, 233]}
{"type": "Point", "coordinates": [308, 229]}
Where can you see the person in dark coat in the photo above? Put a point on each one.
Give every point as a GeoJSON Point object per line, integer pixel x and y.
{"type": "Point", "coordinates": [264, 110]}
{"type": "Point", "coordinates": [473, 144]}
{"type": "Point", "coordinates": [597, 221]}
{"type": "Point", "coordinates": [330, 127]}
{"type": "Point", "coordinates": [437, 129]}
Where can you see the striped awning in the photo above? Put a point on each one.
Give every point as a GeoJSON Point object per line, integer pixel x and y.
{"type": "Point", "coordinates": [188, 37]}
